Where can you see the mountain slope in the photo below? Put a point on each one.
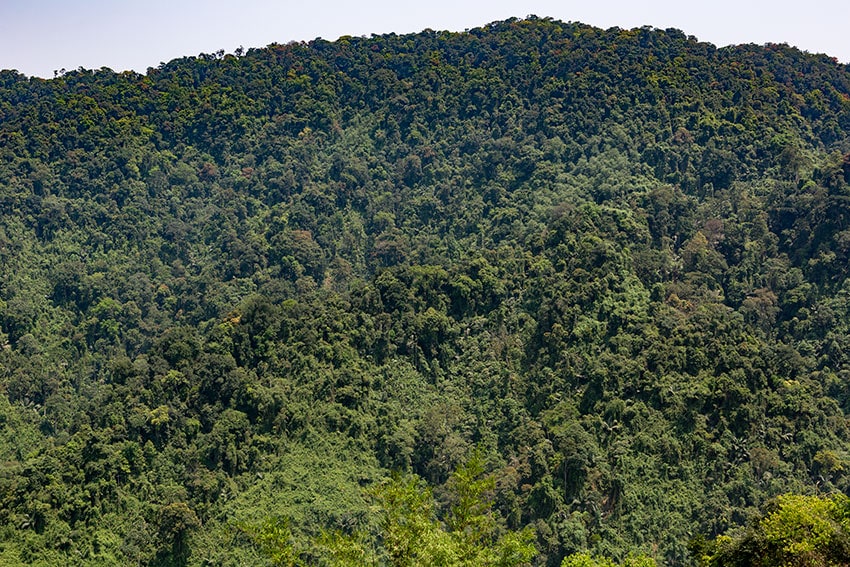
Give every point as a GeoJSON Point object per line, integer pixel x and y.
{"type": "Point", "coordinates": [246, 287]}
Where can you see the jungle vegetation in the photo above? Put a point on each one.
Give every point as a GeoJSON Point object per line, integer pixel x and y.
{"type": "Point", "coordinates": [534, 293]}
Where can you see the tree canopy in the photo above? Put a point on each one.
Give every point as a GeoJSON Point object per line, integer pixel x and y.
{"type": "Point", "coordinates": [536, 288]}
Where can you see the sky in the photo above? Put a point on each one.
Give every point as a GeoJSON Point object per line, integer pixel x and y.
{"type": "Point", "coordinates": [38, 37]}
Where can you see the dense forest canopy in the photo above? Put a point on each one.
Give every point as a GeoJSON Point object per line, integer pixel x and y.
{"type": "Point", "coordinates": [277, 307]}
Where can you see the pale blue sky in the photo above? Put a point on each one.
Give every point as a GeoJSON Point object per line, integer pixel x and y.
{"type": "Point", "coordinates": [40, 36]}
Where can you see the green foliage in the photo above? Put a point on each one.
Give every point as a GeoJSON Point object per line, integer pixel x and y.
{"type": "Point", "coordinates": [409, 530]}
{"type": "Point", "coordinates": [586, 560]}
{"type": "Point", "coordinates": [250, 286]}
{"type": "Point", "coordinates": [273, 537]}
{"type": "Point", "coordinates": [796, 530]}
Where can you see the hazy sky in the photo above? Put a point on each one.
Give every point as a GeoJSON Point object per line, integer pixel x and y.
{"type": "Point", "coordinates": [40, 36]}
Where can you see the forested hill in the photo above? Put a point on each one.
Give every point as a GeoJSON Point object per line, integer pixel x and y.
{"type": "Point", "coordinates": [581, 288]}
